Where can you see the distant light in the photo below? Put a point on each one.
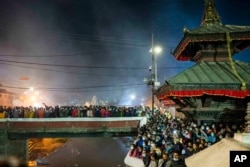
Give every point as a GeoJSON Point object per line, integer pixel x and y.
{"type": "Point", "coordinates": [24, 78]}
{"type": "Point", "coordinates": [87, 104]}
{"type": "Point", "coordinates": [157, 49]}
{"type": "Point", "coordinates": [37, 93]}
{"type": "Point", "coordinates": [36, 104]}
{"type": "Point", "coordinates": [132, 97]}
{"type": "Point", "coordinates": [31, 89]}
{"type": "Point", "coordinates": [33, 98]}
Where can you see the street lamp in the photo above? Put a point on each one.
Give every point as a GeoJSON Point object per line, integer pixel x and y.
{"type": "Point", "coordinates": [154, 50]}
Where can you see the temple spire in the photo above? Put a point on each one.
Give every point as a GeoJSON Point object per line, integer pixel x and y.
{"type": "Point", "coordinates": [210, 16]}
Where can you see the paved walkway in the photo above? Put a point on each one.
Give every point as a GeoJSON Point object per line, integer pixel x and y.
{"type": "Point", "coordinates": [216, 155]}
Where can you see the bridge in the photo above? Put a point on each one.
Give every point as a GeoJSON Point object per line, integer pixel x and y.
{"type": "Point", "coordinates": [14, 133]}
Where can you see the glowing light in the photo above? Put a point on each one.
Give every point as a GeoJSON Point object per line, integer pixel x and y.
{"type": "Point", "coordinates": [156, 49]}
{"type": "Point", "coordinates": [87, 104]}
{"type": "Point", "coordinates": [36, 104]}
{"type": "Point", "coordinates": [132, 97]}
{"type": "Point", "coordinates": [32, 98]}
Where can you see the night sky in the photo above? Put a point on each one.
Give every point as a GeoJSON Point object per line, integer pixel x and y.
{"type": "Point", "coordinates": [72, 50]}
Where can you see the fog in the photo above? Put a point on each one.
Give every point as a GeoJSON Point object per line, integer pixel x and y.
{"type": "Point", "coordinates": [71, 51]}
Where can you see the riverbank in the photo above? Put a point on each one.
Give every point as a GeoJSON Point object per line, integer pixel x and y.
{"type": "Point", "coordinates": [45, 146]}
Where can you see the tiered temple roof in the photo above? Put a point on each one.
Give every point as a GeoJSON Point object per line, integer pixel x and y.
{"type": "Point", "coordinates": [208, 42]}
{"type": "Point", "coordinates": [211, 46]}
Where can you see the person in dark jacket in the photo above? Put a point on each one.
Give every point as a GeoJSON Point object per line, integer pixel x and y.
{"type": "Point", "coordinates": [176, 161]}
{"type": "Point", "coordinates": [145, 157]}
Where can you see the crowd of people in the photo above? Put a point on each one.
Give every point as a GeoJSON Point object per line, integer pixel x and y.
{"type": "Point", "coordinates": [71, 111]}
{"type": "Point", "coordinates": [165, 141]}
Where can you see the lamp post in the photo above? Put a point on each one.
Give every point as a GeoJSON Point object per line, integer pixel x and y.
{"type": "Point", "coordinates": [154, 50]}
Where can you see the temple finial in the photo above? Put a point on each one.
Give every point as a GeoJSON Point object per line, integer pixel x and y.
{"type": "Point", "coordinates": [211, 16]}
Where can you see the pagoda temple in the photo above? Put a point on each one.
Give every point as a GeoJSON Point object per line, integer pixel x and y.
{"type": "Point", "coordinates": [217, 87]}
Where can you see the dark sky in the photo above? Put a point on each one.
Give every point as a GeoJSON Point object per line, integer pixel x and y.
{"type": "Point", "coordinates": [72, 50]}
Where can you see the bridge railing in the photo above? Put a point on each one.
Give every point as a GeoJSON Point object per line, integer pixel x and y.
{"type": "Point", "coordinates": [21, 127]}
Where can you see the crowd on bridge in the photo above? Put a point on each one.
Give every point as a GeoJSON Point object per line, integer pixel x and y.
{"type": "Point", "coordinates": [71, 111]}
{"type": "Point", "coordinates": [165, 141]}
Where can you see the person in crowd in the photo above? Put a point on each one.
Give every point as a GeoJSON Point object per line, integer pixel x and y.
{"type": "Point", "coordinates": [97, 111]}
{"type": "Point", "coordinates": [195, 148]}
{"type": "Point", "coordinates": [103, 111]}
{"type": "Point", "coordinates": [133, 151]}
{"type": "Point", "coordinates": [84, 111]}
{"type": "Point", "coordinates": [57, 111]}
{"type": "Point", "coordinates": [145, 145]}
{"type": "Point", "coordinates": [187, 150]}
{"type": "Point", "coordinates": [177, 144]}
{"type": "Point", "coordinates": [108, 112]}
{"type": "Point", "coordinates": [139, 140]}
{"type": "Point", "coordinates": [201, 146]}
{"type": "Point", "coordinates": [139, 151]}
{"type": "Point", "coordinates": [176, 161]}
{"type": "Point", "coordinates": [90, 112]}
{"type": "Point", "coordinates": [74, 112]}
{"type": "Point", "coordinates": [146, 157]}
{"type": "Point", "coordinates": [16, 112]}
{"type": "Point", "coordinates": [211, 138]}
{"type": "Point", "coordinates": [163, 160]}
{"type": "Point", "coordinates": [153, 160]}
{"type": "Point", "coordinates": [40, 112]}
{"type": "Point", "coordinates": [158, 150]}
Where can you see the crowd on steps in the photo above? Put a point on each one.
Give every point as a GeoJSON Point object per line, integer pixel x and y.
{"type": "Point", "coordinates": [165, 141]}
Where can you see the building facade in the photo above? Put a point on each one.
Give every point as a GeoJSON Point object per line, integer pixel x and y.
{"type": "Point", "coordinates": [6, 98]}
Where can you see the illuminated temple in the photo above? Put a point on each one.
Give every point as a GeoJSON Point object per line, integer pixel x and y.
{"type": "Point", "coordinates": [215, 89]}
